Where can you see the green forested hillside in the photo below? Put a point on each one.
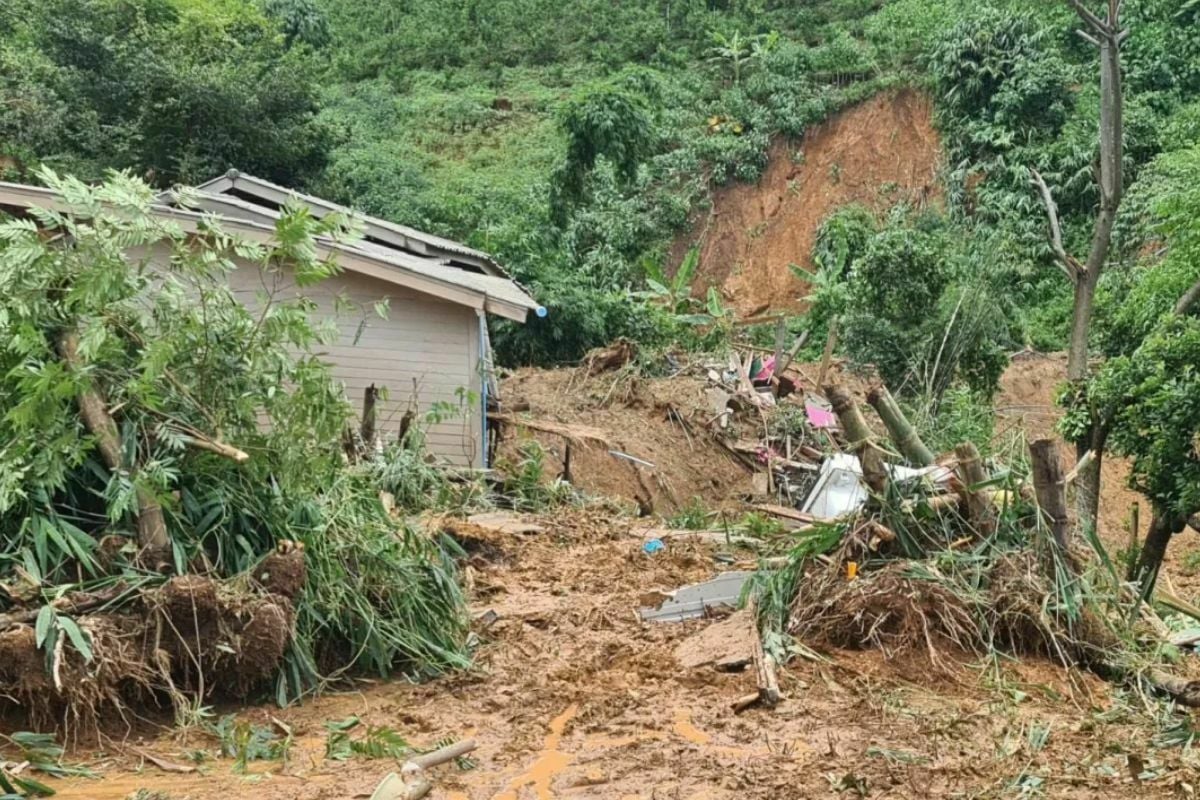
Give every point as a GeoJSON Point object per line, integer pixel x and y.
{"type": "Point", "coordinates": [572, 139]}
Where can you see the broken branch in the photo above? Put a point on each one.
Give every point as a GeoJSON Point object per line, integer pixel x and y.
{"type": "Point", "coordinates": [1066, 262]}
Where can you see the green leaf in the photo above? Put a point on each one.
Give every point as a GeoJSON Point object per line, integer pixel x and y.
{"type": "Point", "coordinates": [687, 271]}
{"type": "Point", "coordinates": [78, 638]}
{"type": "Point", "coordinates": [714, 303]}
{"type": "Point", "coordinates": [45, 623]}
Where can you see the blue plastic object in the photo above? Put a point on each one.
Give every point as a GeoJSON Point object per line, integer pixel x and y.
{"type": "Point", "coordinates": [653, 546]}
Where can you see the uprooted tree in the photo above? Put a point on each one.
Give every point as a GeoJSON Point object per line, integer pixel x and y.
{"type": "Point", "coordinates": [171, 471]}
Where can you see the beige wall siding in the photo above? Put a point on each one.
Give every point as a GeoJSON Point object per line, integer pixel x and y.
{"type": "Point", "coordinates": [426, 351]}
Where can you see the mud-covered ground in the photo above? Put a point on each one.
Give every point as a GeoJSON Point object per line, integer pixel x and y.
{"type": "Point", "coordinates": [574, 697]}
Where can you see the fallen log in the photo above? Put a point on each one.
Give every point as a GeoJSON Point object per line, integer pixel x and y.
{"type": "Point", "coordinates": [577, 433]}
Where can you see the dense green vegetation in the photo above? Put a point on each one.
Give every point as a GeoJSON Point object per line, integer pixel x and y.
{"type": "Point", "coordinates": [573, 139]}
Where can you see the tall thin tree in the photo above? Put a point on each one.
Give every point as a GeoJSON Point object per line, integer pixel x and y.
{"type": "Point", "coordinates": [1106, 34]}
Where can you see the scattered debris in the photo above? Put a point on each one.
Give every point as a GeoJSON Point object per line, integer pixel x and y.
{"type": "Point", "coordinates": [505, 522]}
{"type": "Point", "coordinates": [700, 599]}
{"type": "Point", "coordinates": [414, 782]}
{"type": "Point", "coordinates": [726, 645]}
{"type": "Point", "coordinates": [719, 537]}
{"type": "Point", "coordinates": [615, 356]}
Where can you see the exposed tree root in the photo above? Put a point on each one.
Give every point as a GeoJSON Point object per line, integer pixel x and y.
{"type": "Point", "coordinates": [191, 636]}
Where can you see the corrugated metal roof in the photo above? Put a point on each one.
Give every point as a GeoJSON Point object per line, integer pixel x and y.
{"type": "Point", "coordinates": [259, 187]}
{"type": "Point", "coordinates": [493, 293]}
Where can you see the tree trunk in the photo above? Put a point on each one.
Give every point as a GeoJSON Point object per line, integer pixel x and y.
{"type": "Point", "coordinates": [1087, 478]}
{"type": "Point", "coordinates": [901, 430]}
{"type": "Point", "coordinates": [1051, 489]}
{"type": "Point", "coordinates": [151, 525]}
{"type": "Point", "coordinates": [1162, 527]}
{"type": "Point", "coordinates": [1107, 35]}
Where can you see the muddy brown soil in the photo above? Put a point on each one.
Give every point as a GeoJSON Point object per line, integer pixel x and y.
{"type": "Point", "coordinates": [878, 153]}
{"type": "Point", "coordinates": [575, 697]}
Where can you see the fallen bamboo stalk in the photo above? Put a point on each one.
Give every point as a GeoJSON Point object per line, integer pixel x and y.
{"type": "Point", "coordinates": [201, 442]}
{"type": "Point", "coordinates": [93, 409]}
{"type": "Point", "coordinates": [444, 754]}
{"type": "Point", "coordinates": [899, 428]}
{"type": "Point", "coordinates": [785, 512]}
{"type": "Point", "coordinates": [862, 441]}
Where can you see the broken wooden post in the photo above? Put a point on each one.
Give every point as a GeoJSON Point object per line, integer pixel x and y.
{"type": "Point", "coordinates": [899, 428]}
{"type": "Point", "coordinates": [862, 441]}
{"type": "Point", "coordinates": [1135, 514]}
{"type": "Point", "coordinates": [367, 431]}
{"type": "Point", "coordinates": [1051, 488]}
{"type": "Point", "coordinates": [827, 356]}
{"type": "Point", "coordinates": [780, 335]}
{"type": "Point", "coordinates": [979, 505]}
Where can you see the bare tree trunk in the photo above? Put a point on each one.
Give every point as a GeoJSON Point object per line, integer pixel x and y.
{"type": "Point", "coordinates": [1107, 35]}
{"type": "Point", "coordinates": [901, 430]}
{"type": "Point", "coordinates": [152, 526]}
{"type": "Point", "coordinates": [1051, 489]}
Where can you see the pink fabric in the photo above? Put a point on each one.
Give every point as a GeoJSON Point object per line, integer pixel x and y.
{"type": "Point", "coordinates": [819, 417]}
{"type": "Point", "coordinates": [768, 369]}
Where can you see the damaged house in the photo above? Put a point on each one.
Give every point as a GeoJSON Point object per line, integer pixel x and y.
{"type": "Point", "coordinates": [428, 351]}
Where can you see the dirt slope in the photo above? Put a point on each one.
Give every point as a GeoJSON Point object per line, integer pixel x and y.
{"type": "Point", "coordinates": [877, 153]}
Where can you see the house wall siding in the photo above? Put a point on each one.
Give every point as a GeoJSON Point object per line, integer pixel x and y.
{"type": "Point", "coordinates": [425, 352]}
